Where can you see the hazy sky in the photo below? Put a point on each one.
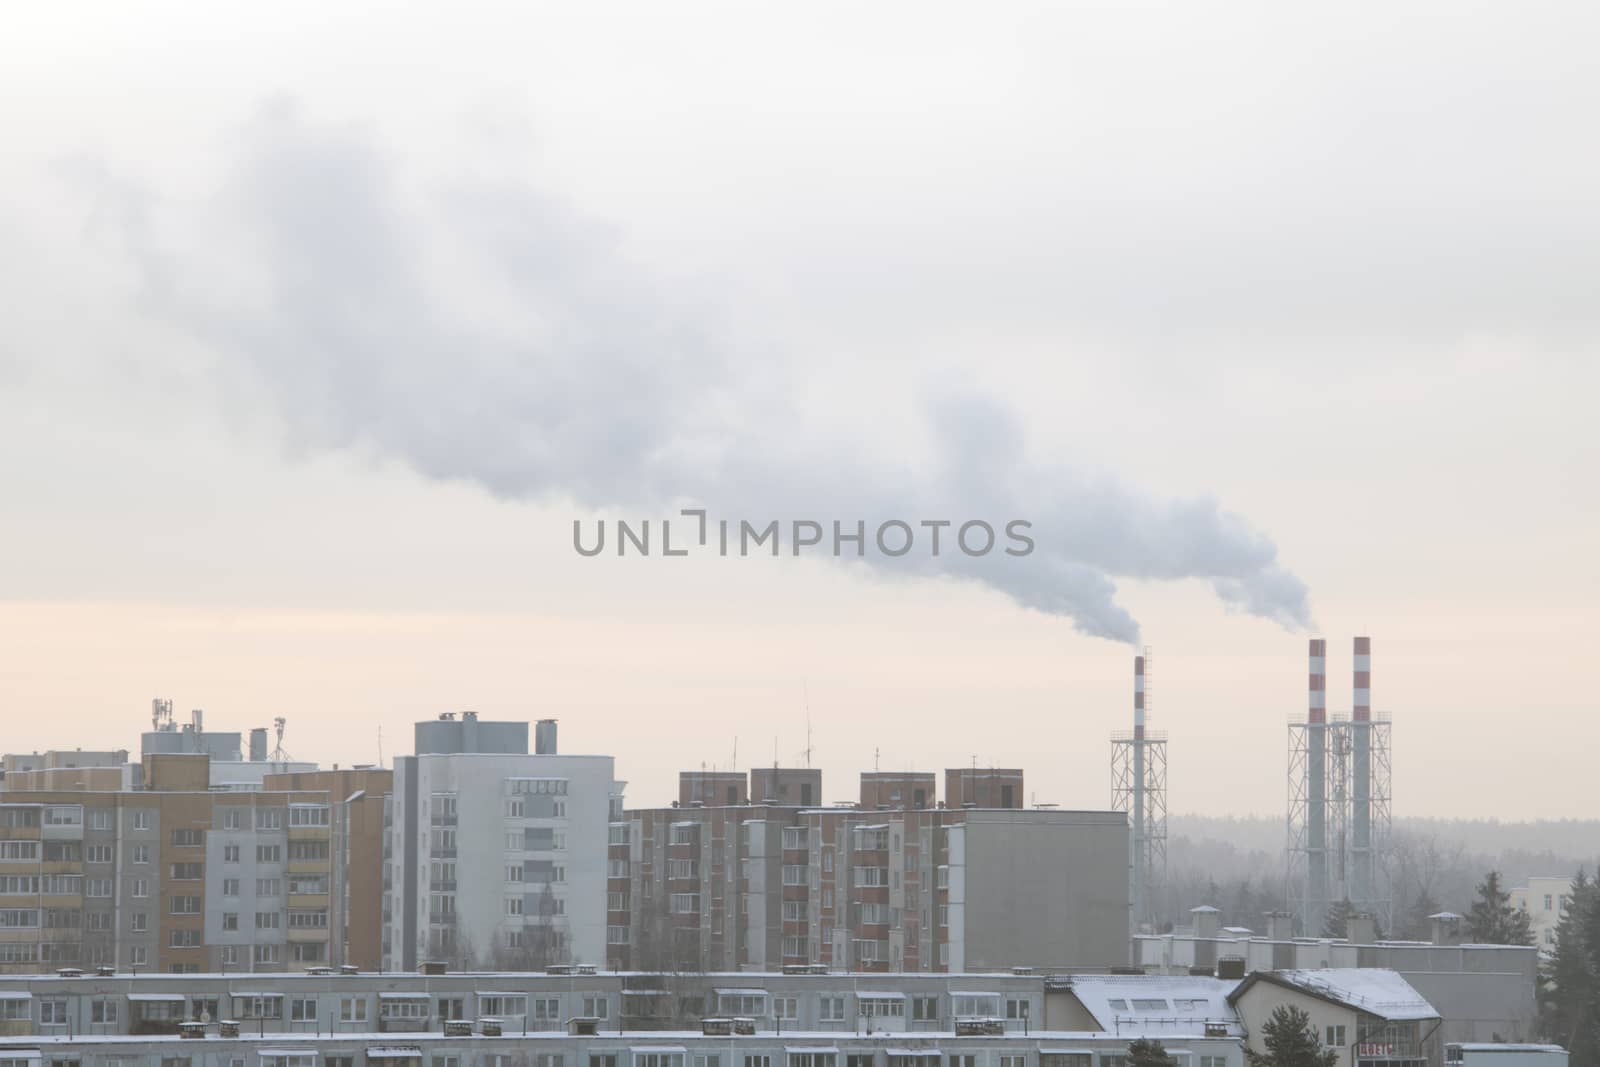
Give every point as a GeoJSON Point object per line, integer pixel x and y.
{"type": "Point", "coordinates": [323, 323]}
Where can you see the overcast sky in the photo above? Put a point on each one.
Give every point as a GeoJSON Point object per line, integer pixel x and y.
{"type": "Point", "coordinates": [322, 325]}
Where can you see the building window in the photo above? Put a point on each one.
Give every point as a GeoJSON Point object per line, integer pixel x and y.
{"type": "Point", "coordinates": [184, 905]}
{"type": "Point", "coordinates": [500, 1006]}
{"type": "Point", "coordinates": [269, 819]}
{"type": "Point", "coordinates": [749, 1005]}
{"type": "Point", "coordinates": [230, 887]}
{"type": "Point", "coordinates": [230, 920]}
{"type": "Point", "coordinates": [1017, 1007]}
{"type": "Point", "coordinates": [308, 815]}
{"type": "Point", "coordinates": [303, 1009]}
{"type": "Point", "coordinates": [187, 838]}
{"type": "Point", "coordinates": [658, 1059]}
{"type": "Point", "coordinates": [786, 1008]}
{"type": "Point", "coordinates": [53, 1012]}
{"type": "Point", "coordinates": [269, 853]}
{"type": "Point", "coordinates": [812, 1059]}
{"type": "Point", "coordinates": [1335, 1037]}
{"type": "Point", "coordinates": [596, 1007]}
{"type": "Point", "coordinates": [230, 853]}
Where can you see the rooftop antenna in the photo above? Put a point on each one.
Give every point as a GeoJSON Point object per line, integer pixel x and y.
{"type": "Point", "coordinates": [279, 755]}
{"type": "Point", "coordinates": [875, 754]}
{"type": "Point", "coordinates": [380, 745]}
{"type": "Point", "coordinates": [735, 764]}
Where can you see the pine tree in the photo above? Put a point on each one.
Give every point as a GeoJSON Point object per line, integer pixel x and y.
{"type": "Point", "coordinates": [1493, 920]}
{"type": "Point", "coordinates": [1291, 1041]}
{"type": "Point", "coordinates": [1418, 920]}
{"type": "Point", "coordinates": [1338, 922]}
{"type": "Point", "coordinates": [1147, 1053]}
{"type": "Point", "coordinates": [1569, 989]}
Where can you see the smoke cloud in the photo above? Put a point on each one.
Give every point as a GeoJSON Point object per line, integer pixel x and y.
{"type": "Point", "coordinates": [485, 332]}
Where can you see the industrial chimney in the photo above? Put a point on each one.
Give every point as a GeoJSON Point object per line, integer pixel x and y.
{"type": "Point", "coordinates": [1361, 882]}
{"type": "Point", "coordinates": [1316, 903]}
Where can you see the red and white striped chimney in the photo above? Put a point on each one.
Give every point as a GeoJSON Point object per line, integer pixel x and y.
{"type": "Point", "coordinates": [1317, 707]}
{"type": "Point", "coordinates": [1361, 698]}
{"type": "Point", "coordinates": [1138, 698]}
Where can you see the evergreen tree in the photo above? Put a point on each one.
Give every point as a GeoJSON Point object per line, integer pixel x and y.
{"type": "Point", "coordinates": [1493, 920]}
{"type": "Point", "coordinates": [1418, 922]}
{"type": "Point", "coordinates": [1338, 922]}
{"type": "Point", "coordinates": [1569, 989]}
{"type": "Point", "coordinates": [1291, 1041]}
{"type": "Point", "coordinates": [1146, 1053]}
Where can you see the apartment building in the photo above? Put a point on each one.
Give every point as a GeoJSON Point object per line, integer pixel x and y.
{"type": "Point", "coordinates": [173, 877]}
{"type": "Point", "coordinates": [1545, 900]}
{"type": "Point", "coordinates": [356, 800]}
{"type": "Point", "coordinates": [103, 771]}
{"type": "Point", "coordinates": [496, 857]}
{"type": "Point", "coordinates": [713, 1045]}
{"type": "Point", "coordinates": [892, 883]}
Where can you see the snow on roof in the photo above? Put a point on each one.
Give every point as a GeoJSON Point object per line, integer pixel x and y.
{"type": "Point", "coordinates": [1177, 1004]}
{"type": "Point", "coordinates": [393, 1052]}
{"type": "Point", "coordinates": [1491, 1046]}
{"type": "Point", "coordinates": [1370, 989]}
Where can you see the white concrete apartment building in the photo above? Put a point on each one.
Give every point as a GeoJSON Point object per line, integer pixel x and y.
{"type": "Point", "coordinates": [497, 856]}
{"type": "Point", "coordinates": [1545, 901]}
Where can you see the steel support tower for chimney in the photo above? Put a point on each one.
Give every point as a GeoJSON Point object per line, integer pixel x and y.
{"type": "Point", "coordinates": [1139, 787]}
{"type": "Point", "coordinates": [1339, 800]}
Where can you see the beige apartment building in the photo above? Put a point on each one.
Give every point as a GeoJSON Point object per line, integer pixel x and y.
{"type": "Point", "coordinates": [176, 877]}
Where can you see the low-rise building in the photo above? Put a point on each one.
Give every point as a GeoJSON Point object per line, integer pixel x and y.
{"type": "Point", "coordinates": [1484, 992]}
{"type": "Point", "coordinates": [1369, 1016]}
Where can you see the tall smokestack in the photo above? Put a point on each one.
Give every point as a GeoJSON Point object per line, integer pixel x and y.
{"type": "Point", "coordinates": [1361, 858]}
{"type": "Point", "coordinates": [1139, 853]}
{"type": "Point", "coordinates": [1316, 910]}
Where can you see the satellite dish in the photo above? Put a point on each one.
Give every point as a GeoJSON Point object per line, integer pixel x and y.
{"type": "Point", "coordinates": [205, 1016]}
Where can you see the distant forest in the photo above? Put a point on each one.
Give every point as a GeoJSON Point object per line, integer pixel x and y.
{"type": "Point", "coordinates": [1237, 864]}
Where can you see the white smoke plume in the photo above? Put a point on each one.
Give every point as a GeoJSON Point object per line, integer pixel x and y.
{"type": "Point", "coordinates": [487, 333]}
